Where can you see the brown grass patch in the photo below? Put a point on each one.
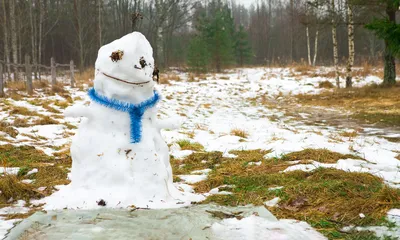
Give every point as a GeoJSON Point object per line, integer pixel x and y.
{"type": "Point", "coordinates": [320, 197]}
{"type": "Point", "coordinates": [188, 145]}
{"type": "Point", "coordinates": [87, 76]}
{"type": "Point", "coordinates": [50, 176]}
{"type": "Point", "coordinates": [45, 120]}
{"type": "Point", "coordinates": [351, 134]}
{"type": "Point", "coordinates": [326, 84]}
{"type": "Point", "coordinates": [371, 104]}
{"type": "Point", "coordinates": [22, 156]}
{"type": "Point", "coordinates": [239, 133]}
{"type": "Point", "coordinates": [16, 85]}
{"type": "Point", "coordinates": [319, 155]}
{"type": "Point", "coordinates": [196, 161]}
{"type": "Point", "coordinates": [22, 111]}
{"type": "Point", "coordinates": [195, 77]}
{"type": "Point", "coordinates": [40, 84]}
{"type": "Point", "coordinates": [303, 69]}
{"type": "Point", "coordinates": [7, 128]}
{"type": "Point", "coordinates": [12, 188]}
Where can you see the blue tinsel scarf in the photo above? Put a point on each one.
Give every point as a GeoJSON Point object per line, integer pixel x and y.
{"type": "Point", "coordinates": [135, 111]}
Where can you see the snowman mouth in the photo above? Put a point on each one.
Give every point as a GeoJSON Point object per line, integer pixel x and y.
{"type": "Point", "coordinates": [118, 79]}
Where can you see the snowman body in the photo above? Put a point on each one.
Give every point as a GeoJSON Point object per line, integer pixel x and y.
{"type": "Point", "coordinates": [106, 163]}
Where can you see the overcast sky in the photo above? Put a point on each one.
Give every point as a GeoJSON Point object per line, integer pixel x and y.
{"type": "Point", "coordinates": [246, 2]}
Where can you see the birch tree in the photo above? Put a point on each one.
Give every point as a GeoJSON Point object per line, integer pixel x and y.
{"type": "Point", "coordinates": [335, 43]}
{"type": "Point", "coordinates": [350, 30]}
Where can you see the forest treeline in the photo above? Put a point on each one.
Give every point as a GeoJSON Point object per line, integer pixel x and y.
{"type": "Point", "coordinates": [202, 34]}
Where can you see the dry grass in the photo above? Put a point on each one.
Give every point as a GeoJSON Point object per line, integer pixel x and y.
{"type": "Point", "coordinates": [196, 161]}
{"type": "Point", "coordinates": [188, 145]}
{"type": "Point", "coordinates": [16, 85]}
{"type": "Point", "coordinates": [40, 84]}
{"type": "Point", "coordinates": [239, 133]}
{"type": "Point", "coordinates": [21, 122]}
{"type": "Point", "coordinates": [50, 176]}
{"type": "Point", "coordinates": [51, 171]}
{"type": "Point", "coordinates": [12, 188]}
{"type": "Point", "coordinates": [7, 128]}
{"type": "Point", "coordinates": [86, 76]}
{"type": "Point", "coordinates": [351, 134]}
{"type": "Point", "coordinates": [22, 111]}
{"type": "Point", "coordinates": [319, 155]}
{"type": "Point", "coordinates": [165, 78]}
{"type": "Point", "coordinates": [326, 84]}
{"type": "Point", "coordinates": [22, 156]}
{"type": "Point", "coordinates": [371, 103]}
{"type": "Point", "coordinates": [45, 120]}
{"type": "Point", "coordinates": [195, 77]}
{"type": "Point", "coordinates": [303, 69]}
{"type": "Point", "coordinates": [62, 104]}
{"type": "Point", "coordinates": [320, 197]}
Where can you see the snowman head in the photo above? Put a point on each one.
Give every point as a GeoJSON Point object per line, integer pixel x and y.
{"type": "Point", "coordinates": [125, 64]}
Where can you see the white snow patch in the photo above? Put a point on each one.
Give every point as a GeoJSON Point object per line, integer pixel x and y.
{"type": "Point", "coordinates": [192, 178]}
{"type": "Point", "coordinates": [257, 228]}
{"type": "Point", "coordinates": [273, 202]}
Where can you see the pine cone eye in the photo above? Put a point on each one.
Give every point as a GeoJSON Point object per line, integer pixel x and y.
{"type": "Point", "coordinates": [117, 55]}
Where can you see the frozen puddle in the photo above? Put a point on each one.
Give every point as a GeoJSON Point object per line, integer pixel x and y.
{"type": "Point", "coordinates": [195, 222]}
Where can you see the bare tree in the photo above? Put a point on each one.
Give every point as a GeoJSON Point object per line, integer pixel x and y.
{"type": "Point", "coordinates": [14, 41]}
{"type": "Point", "coordinates": [350, 61]}
{"type": "Point", "coordinates": [5, 29]}
{"type": "Point", "coordinates": [335, 43]}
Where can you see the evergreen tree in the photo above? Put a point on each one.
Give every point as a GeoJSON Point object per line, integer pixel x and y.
{"type": "Point", "coordinates": [198, 55]}
{"type": "Point", "coordinates": [219, 33]}
{"type": "Point", "coordinates": [389, 31]}
{"type": "Point", "coordinates": [242, 47]}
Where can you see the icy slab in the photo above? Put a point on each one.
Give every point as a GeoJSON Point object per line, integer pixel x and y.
{"type": "Point", "coordinates": [197, 222]}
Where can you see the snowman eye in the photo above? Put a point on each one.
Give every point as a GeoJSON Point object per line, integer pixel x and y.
{"type": "Point", "coordinates": [117, 55]}
{"type": "Point", "coordinates": [142, 62]}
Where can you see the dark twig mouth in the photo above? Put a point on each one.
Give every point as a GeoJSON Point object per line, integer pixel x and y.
{"type": "Point", "coordinates": [118, 79]}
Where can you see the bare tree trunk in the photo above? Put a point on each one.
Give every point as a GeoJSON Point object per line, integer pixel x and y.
{"type": "Point", "coordinates": [291, 30]}
{"type": "Point", "coordinates": [316, 47]}
{"type": "Point", "coordinates": [78, 28]}
{"type": "Point", "coordinates": [14, 42]}
{"type": "Point", "coordinates": [1, 81]}
{"type": "Point", "coordinates": [308, 45]}
{"type": "Point", "coordinates": [6, 47]}
{"type": "Point", "coordinates": [350, 62]}
{"type": "Point", "coordinates": [335, 44]}
{"type": "Point", "coordinates": [41, 15]}
{"type": "Point", "coordinates": [99, 27]}
{"type": "Point", "coordinates": [33, 35]}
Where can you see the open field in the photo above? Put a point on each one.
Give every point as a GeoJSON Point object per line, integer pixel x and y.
{"type": "Point", "coordinates": [274, 137]}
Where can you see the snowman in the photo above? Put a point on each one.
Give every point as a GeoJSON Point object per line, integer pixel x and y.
{"type": "Point", "coordinates": [119, 157]}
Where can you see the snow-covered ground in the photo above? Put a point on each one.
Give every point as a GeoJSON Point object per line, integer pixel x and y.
{"type": "Point", "coordinates": [212, 108]}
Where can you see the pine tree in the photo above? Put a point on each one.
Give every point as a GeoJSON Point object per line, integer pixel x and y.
{"type": "Point", "coordinates": [219, 34]}
{"type": "Point", "coordinates": [198, 55]}
{"type": "Point", "coordinates": [389, 31]}
{"type": "Point", "coordinates": [242, 47]}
